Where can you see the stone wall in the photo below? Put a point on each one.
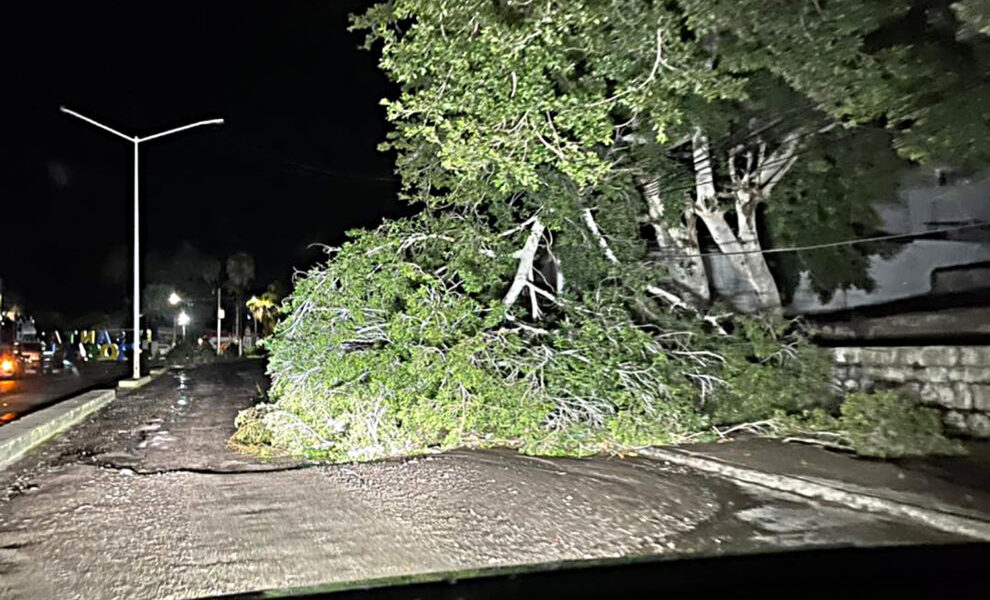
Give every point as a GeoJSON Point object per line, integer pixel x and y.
{"type": "Point", "coordinates": [953, 379]}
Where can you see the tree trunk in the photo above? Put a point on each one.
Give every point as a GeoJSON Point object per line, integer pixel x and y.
{"type": "Point", "coordinates": [688, 274]}
{"type": "Point", "coordinates": [742, 251]}
{"type": "Point", "coordinates": [752, 267]}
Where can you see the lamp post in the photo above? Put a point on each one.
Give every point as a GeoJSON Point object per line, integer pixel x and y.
{"type": "Point", "coordinates": [183, 320]}
{"type": "Point", "coordinates": [136, 350]}
{"type": "Point", "coordinates": [174, 300]}
{"type": "Point", "coordinates": [220, 317]}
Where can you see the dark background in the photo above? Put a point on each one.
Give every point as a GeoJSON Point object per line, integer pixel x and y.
{"type": "Point", "coordinates": [296, 162]}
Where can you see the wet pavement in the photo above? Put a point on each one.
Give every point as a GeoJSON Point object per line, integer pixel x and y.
{"type": "Point", "coordinates": [21, 396]}
{"type": "Point", "coordinates": [146, 500]}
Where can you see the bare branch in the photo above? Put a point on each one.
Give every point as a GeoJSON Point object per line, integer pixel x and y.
{"type": "Point", "coordinates": [532, 297]}
{"type": "Point", "coordinates": [672, 299]}
{"type": "Point", "coordinates": [589, 221]}
{"type": "Point", "coordinates": [557, 151]}
{"type": "Point", "coordinates": [713, 321]}
{"type": "Point", "coordinates": [523, 272]}
{"type": "Point", "coordinates": [525, 327]}
{"type": "Point", "coordinates": [773, 169]}
{"type": "Point", "coordinates": [518, 227]}
{"type": "Point", "coordinates": [659, 58]}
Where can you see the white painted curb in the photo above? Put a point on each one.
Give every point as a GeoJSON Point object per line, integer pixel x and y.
{"type": "Point", "coordinates": [959, 525]}
{"type": "Point", "coordinates": [19, 436]}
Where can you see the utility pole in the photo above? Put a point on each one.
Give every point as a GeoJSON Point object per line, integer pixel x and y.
{"type": "Point", "coordinates": [136, 320]}
{"type": "Point", "coordinates": [136, 346]}
{"type": "Point", "coordinates": [219, 316]}
{"type": "Point", "coordinates": [237, 320]}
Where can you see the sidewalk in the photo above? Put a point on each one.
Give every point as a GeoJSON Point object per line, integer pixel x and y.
{"type": "Point", "coordinates": [949, 493]}
{"type": "Point", "coordinates": [957, 485]}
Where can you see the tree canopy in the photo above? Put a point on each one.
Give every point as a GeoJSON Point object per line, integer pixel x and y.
{"type": "Point", "coordinates": [504, 103]}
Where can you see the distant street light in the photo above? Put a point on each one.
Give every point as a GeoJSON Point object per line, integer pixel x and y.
{"type": "Point", "coordinates": [136, 349]}
{"type": "Point", "coordinates": [220, 317]}
{"type": "Point", "coordinates": [183, 321]}
{"type": "Point", "coordinates": [174, 299]}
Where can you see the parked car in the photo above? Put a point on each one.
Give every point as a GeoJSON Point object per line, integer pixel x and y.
{"type": "Point", "coordinates": [35, 357]}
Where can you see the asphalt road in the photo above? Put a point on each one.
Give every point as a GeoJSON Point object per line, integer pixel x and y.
{"type": "Point", "coordinates": [145, 500]}
{"type": "Point", "coordinates": [18, 397]}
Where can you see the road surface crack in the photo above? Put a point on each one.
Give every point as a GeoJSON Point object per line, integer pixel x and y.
{"type": "Point", "coordinates": [130, 470]}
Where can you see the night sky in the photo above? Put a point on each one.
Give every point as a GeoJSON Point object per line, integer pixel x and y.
{"type": "Point", "coordinates": [296, 162]}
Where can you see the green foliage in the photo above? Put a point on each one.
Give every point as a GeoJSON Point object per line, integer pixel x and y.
{"type": "Point", "coordinates": [975, 12]}
{"type": "Point", "coordinates": [874, 424]}
{"type": "Point", "coordinates": [400, 343]}
{"type": "Point", "coordinates": [508, 112]}
{"type": "Point", "coordinates": [773, 373]}
{"type": "Point", "coordinates": [492, 92]}
{"type": "Point", "coordinates": [883, 424]}
{"type": "Point", "coordinates": [499, 100]}
{"type": "Point", "coordinates": [829, 196]}
{"type": "Point", "coordinates": [250, 430]}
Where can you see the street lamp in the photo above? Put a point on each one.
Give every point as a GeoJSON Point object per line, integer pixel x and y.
{"type": "Point", "coordinates": [136, 372]}
{"type": "Point", "coordinates": [183, 320]}
{"type": "Point", "coordinates": [174, 299]}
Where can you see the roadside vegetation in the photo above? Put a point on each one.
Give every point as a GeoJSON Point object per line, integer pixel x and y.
{"type": "Point", "coordinates": [572, 162]}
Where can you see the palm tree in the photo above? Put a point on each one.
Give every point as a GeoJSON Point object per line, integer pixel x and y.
{"type": "Point", "coordinates": [240, 274]}
{"type": "Point", "coordinates": [265, 308]}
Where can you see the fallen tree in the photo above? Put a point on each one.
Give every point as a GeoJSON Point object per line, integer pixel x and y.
{"type": "Point", "coordinates": [437, 332]}
{"type": "Point", "coordinates": [406, 340]}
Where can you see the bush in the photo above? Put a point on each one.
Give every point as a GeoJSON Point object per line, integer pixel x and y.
{"type": "Point", "coordinates": [883, 424]}
{"type": "Point", "coordinates": [188, 352]}
{"type": "Point", "coordinates": [250, 429]}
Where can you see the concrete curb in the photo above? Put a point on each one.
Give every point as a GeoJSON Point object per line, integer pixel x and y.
{"type": "Point", "coordinates": [130, 384]}
{"type": "Point", "coordinates": [21, 435]}
{"type": "Point", "coordinates": [828, 491]}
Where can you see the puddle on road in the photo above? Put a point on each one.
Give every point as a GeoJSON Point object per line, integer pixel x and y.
{"type": "Point", "coordinates": [785, 519]}
{"type": "Point", "coordinates": [752, 518]}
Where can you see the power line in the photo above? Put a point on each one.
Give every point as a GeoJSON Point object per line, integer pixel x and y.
{"type": "Point", "coordinates": [852, 242]}
{"type": "Point", "coordinates": [785, 117]}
